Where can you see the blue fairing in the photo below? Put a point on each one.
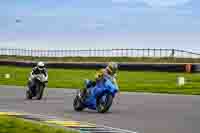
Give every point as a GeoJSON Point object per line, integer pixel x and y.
{"type": "Point", "coordinates": [103, 86]}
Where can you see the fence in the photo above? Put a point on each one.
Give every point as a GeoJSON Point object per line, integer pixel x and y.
{"type": "Point", "coordinates": [101, 53]}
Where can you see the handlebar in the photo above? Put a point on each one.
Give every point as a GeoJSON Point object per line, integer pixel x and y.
{"type": "Point", "coordinates": [40, 77]}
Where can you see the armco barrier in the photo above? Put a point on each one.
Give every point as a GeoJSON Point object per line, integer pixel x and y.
{"type": "Point", "coordinates": [196, 68]}
{"type": "Point", "coordinates": [122, 66]}
{"type": "Point", "coordinates": [154, 67]}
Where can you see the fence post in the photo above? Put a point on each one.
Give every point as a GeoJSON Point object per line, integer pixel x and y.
{"type": "Point", "coordinates": [143, 51]}
{"type": "Point", "coordinates": [160, 52]}
{"type": "Point", "coordinates": [154, 52]}
{"type": "Point", "coordinates": [173, 53]}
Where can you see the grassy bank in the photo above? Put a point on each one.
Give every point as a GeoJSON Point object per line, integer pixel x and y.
{"type": "Point", "coordinates": [157, 82]}
{"type": "Point", "coordinates": [15, 125]}
{"type": "Point", "coordinates": [102, 59]}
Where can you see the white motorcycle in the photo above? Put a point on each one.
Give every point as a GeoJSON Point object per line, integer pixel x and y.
{"type": "Point", "coordinates": [36, 90]}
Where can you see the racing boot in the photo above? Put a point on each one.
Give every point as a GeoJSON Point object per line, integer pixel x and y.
{"type": "Point", "coordinates": [86, 90]}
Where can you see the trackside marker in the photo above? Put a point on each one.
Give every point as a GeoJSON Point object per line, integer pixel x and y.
{"type": "Point", "coordinates": [7, 75]}
{"type": "Point", "coordinates": [181, 81]}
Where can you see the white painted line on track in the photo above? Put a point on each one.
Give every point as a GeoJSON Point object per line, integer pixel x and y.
{"type": "Point", "coordinates": [119, 129]}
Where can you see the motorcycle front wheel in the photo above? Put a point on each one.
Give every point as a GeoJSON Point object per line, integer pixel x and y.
{"type": "Point", "coordinates": [40, 92]}
{"type": "Point", "coordinates": [28, 95]}
{"type": "Point", "coordinates": [104, 102]}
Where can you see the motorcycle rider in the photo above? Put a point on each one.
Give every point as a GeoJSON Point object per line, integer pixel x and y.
{"type": "Point", "coordinates": [109, 72]}
{"type": "Point", "coordinates": [39, 69]}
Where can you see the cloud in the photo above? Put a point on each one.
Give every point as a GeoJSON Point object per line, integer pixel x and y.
{"type": "Point", "coordinates": [156, 3]}
{"type": "Point", "coordinates": [165, 3]}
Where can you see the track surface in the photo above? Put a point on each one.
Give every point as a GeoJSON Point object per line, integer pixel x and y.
{"type": "Point", "coordinates": [145, 113]}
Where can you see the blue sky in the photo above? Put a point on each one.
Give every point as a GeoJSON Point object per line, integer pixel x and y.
{"type": "Point", "coordinates": [100, 24]}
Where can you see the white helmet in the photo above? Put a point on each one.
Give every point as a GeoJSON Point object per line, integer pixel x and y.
{"type": "Point", "coordinates": [40, 65]}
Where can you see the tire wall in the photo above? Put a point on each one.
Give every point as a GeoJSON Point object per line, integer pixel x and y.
{"type": "Point", "coordinates": [122, 66]}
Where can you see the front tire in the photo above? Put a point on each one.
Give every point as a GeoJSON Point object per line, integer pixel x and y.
{"type": "Point", "coordinates": [78, 106]}
{"type": "Point", "coordinates": [104, 106]}
{"type": "Point", "coordinates": [28, 95]}
{"type": "Point", "coordinates": [40, 93]}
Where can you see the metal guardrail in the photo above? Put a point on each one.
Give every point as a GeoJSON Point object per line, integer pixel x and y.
{"type": "Point", "coordinates": [160, 53]}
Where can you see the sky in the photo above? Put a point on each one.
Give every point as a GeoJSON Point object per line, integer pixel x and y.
{"type": "Point", "coordinates": [57, 24]}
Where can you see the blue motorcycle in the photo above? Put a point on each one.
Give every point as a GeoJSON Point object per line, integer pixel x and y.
{"type": "Point", "coordinates": [98, 97]}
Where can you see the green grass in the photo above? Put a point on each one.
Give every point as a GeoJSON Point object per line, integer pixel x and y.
{"type": "Point", "coordinates": [156, 82]}
{"type": "Point", "coordinates": [102, 59]}
{"type": "Point", "coordinates": [15, 125]}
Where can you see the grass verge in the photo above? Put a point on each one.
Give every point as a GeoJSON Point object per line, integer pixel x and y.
{"type": "Point", "coordinates": [10, 124]}
{"type": "Point", "coordinates": [156, 82]}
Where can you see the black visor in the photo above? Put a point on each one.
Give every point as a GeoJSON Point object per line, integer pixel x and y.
{"type": "Point", "coordinates": [41, 67]}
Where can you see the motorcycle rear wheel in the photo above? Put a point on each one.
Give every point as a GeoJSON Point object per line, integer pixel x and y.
{"type": "Point", "coordinates": [78, 106]}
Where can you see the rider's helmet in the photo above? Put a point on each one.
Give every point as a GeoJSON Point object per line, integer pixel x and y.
{"type": "Point", "coordinates": [112, 68]}
{"type": "Point", "coordinates": [41, 65]}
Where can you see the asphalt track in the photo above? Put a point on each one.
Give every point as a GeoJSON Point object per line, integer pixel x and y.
{"type": "Point", "coordinates": [144, 113]}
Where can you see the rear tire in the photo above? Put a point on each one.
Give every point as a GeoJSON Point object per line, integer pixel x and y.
{"type": "Point", "coordinates": [78, 106]}
{"type": "Point", "coordinates": [103, 108]}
